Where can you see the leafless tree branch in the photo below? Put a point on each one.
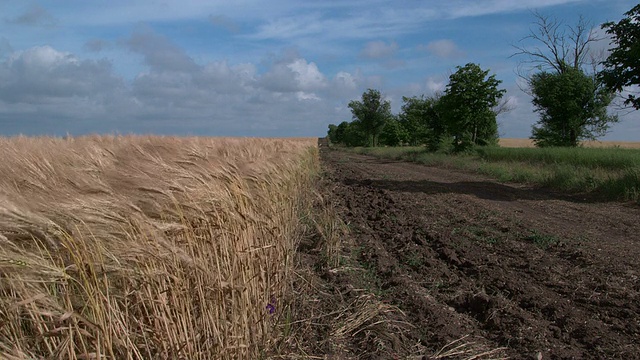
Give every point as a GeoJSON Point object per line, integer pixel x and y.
{"type": "Point", "coordinates": [557, 46]}
{"type": "Point", "coordinates": [503, 107]}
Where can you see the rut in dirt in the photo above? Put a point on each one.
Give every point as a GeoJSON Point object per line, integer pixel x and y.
{"type": "Point", "coordinates": [506, 266]}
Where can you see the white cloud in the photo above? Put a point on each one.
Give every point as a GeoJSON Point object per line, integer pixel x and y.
{"type": "Point", "coordinates": [293, 75]}
{"type": "Point", "coordinates": [435, 86]}
{"type": "Point", "coordinates": [57, 92]}
{"type": "Point", "coordinates": [444, 48]}
{"type": "Point", "coordinates": [379, 49]}
{"type": "Point", "coordinates": [44, 73]}
{"type": "Point", "coordinates": [463, 8]}
{"type": "Point", "coordinates": [301, 95]}
{"type": "Point", "coordinates": [42, 57]}
{"type": "Point", "coordinates": [307, 75]}
{"type": "Point", "coordinates": [345, 80]}
{"type": "Point", "coordinates": [229, 79]}
{"type": "Point", "coordinates": [292, 27]}
{"type": "Point", "coordinates": [50, 91]}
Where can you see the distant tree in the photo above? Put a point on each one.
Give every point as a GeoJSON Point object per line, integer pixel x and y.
{"type": "Point", "coordinates": [571, 101]}
{"type": "Point", "coordinates": [347, 133]}
{"type": "Point", "coordinates": [351, 134]}
{"type": "Point", "coordinates": [341, 132]}
{"type": "Point", "coordinates": [412, 118]}
{"type": "Point", "coordinates": [371, 114]}
{"type": "Point", "coordinates": [467, 107]}
{"type": "Point", "coordinates": [438, 132]}
{"type": "Point", "coordinates": [572, 107]}
{"type": "Point", "coordinates": [422, 119]}
{"type": "Point", "coordinates": [622, 67]}
{"type": "Point", "coordinates": [332, 134]}
{"type": "Point", "coordinates": [393, 133]}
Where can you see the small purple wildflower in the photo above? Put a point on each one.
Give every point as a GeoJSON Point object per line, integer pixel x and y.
{"type": "Point", "coordinates": [271, 308]}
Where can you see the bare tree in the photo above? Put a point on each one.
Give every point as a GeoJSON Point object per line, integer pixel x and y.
{"type": "Point", "coordinates": [504, 106]}
{"type": "Point", "coordinates": [557, 46]}
{"type": "Point", "coordinates": [560, 68]}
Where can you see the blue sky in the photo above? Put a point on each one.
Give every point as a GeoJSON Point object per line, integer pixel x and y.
{"type": "Point", "coordinates": [256, 68]}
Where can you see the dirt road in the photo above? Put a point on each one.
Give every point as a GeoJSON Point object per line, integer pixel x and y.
{"type": "Point", "coordinates": [542, 275]}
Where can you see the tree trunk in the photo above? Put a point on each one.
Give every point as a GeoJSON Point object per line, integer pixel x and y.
{"type": "Point", "coordinates": [573, 137]}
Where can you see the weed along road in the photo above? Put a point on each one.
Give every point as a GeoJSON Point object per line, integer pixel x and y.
{"type": "Point", "coordinates": [507, 270]}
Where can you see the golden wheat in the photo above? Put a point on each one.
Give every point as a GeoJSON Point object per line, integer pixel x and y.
{"type": "Point", "coordinates": [127, 247]}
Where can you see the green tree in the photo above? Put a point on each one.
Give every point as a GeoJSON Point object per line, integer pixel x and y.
{"type": "Point", "coordinates": [572, 107]}
{"type": "Point", "coordinates": [412, 118]}
{"type": "Point", "coordinates": [347, 133]}
{"type": "Point", "coordinates": [421, 118]}
{"type": "Point", "coordinates": [468, 106]}
{"type": "Point", "coordinates": [622, 67]}
{"type": "Point", "coordinates": [350, 134]}
{"type": "Point", "coordinates": [571, 102]}
{"type": "Point", "coordinates": [393, 133]}
{"type": "Point", "coordinates": [332, 134]}
{"type": "Point", "coordinates": [371, 114]}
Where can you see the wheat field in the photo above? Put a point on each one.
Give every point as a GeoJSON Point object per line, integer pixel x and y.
{"type": "Point", "coordinates": [142, 247]}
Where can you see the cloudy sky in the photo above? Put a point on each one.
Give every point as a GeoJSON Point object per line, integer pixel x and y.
{"type": "Point", "coordinates": [255, 68]}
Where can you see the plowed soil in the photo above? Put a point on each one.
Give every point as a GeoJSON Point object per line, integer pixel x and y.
{"type": "Point", "coordinates": [464, 258]}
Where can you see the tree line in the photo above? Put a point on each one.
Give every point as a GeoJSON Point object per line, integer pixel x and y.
{"type": "Point", "coordinates": [463, 116]}
{"type": "Point", "coordinates": [569, 92]}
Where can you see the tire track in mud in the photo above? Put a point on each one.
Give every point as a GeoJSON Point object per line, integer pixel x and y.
{"type": "Point", "coordinates": [507, 266]}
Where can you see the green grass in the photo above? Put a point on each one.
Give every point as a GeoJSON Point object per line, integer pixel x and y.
{"type": "Point", "coordinates": [604, 158]}
{"type": "Point", "coordinates": [613, 173]}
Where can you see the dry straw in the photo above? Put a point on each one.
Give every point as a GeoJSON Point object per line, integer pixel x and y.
{"type": "Point", "coordinates": [125, 247]}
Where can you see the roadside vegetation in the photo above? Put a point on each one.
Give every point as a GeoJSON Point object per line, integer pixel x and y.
{"type": "Point", "coordinates": [611, 173]}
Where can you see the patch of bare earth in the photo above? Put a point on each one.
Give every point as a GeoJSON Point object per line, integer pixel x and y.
{"type": "Point", "coordinates": [461, 260]}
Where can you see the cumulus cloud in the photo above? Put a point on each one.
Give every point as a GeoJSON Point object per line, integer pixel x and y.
{"type": "Point", "coordinates": [231, 79]}
{"type": "Point", "coordinates": [177, 81]}
{"type": "Point", "coordinates": [58, 92]}
{"type": "Point", "coordinates": [294, 76]}
{"type": "Point", "coordinates": [345, 80]}
{"type": "Point", "coordinates": [444, 48]}
{"type": "Point", "coordinates": [379, 49]}
{"type": "Point", "coordinates": [43, 73]}
{"type": "Point", "coordinates": [307, 75]}
{"type": "Point", "coordinates": [34, 16]}
{"type": "Point", "coordinates": [44, 90]}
